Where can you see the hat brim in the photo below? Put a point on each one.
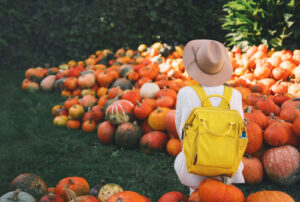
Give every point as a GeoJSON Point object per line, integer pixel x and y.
{"type": "Point", "coordinates": [189, 61]}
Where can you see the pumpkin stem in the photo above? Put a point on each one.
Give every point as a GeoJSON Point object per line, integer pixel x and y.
{"type": "Point", "coordinates": [16, 194]}
{"type": "Point", "coordinates": [71, 182]}
{"type": "Point", "coordinates": [248, 155]}
{"type": "Point", "coordinates": [138, 103]}
{"type": "Point", "coordinates": [159, 110]}
{"type": "Point", "coordinates": [71, 195]}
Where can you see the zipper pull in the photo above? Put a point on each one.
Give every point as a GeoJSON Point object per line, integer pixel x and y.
{"type": "Point", "coordinates": [195, 160]}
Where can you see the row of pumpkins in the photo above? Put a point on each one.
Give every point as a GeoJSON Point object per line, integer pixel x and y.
{"type": "Point", "coordinates": [30, 187]}
{"type": "Point", "coordinates": [129, 98]}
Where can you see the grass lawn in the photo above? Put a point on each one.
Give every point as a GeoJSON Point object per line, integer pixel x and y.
{"type": "Point", "coordinates": [31, 143]}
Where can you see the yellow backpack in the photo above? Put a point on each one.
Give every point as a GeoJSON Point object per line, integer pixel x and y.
{"type": "Point", "coordinates": [214, 137]}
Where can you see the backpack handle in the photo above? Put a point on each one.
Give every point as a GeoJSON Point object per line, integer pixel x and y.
{"type": "Point", "coordinates": [222, 97]}
{"type": "Point", "coordinates": [231, 125]}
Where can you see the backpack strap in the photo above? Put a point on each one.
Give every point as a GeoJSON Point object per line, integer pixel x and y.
{"type": "Point", "coordinates": [202, 95]}
{"type": "Point", "coordinates": [227, 94]}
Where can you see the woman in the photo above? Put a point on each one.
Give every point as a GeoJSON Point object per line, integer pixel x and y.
{"type": "Point", "coordinates": [208, 63]}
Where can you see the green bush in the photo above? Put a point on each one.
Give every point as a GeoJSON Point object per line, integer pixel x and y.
{"type": "Point", "coordinates": [271, 22]}
{"type": "Point", "coordinates": [39, 32]}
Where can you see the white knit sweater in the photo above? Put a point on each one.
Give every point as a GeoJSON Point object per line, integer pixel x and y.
{"type": "Point", "coordinates": [187, 99]}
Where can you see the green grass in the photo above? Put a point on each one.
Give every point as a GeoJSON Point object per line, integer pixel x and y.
{"type": "Point", "coordinates": [31, 143]}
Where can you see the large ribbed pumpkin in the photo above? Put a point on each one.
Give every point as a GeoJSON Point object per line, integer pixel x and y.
{"type": "Point", "coordinates": [269, 196]}
{"type": "Point", "coordinates": [79, 185]}
{"type": "Point", "coordinates": [213, 190]}
{"type": "Point", "coordinates": [128, 135]}
{"type": "Point", "coordinates": [282, 164]}
{"type": "Point", "coordinates": [120, 111]}
{"type": "Point", "coordinates": [30, 183]}
{"type": "Point", "coordinates": [153, 141]}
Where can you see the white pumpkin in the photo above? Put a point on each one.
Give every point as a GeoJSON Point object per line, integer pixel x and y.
{"type": "Point", "coordinates": [149, 90]}
{"type": "Point", "coordinates": [47, 83]}
{"type": "Point", "coordinates": [17, 196]}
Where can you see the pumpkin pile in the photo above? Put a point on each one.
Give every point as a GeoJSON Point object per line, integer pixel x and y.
{"type": "Point", "coordinates": [128, 98]}
{"type": "Point", "coordinates": [30, 187]}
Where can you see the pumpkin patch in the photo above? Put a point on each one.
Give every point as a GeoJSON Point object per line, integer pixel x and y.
{"type": "Point", "coordinates": [130, 101]}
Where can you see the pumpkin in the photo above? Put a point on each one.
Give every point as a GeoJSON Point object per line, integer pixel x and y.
{"type": "Point", "coordinates": [174, 146]}
{"type": "Point", "coordinates": [149, 90]}
{"type": "Point", "coordinates": [47, 83]}
{"type": "Point", "coordinates": [30, 183]}
{"type": "Point", "coordinates": [267, 106]}
{"type": "Point", "coordinates": [164, 101]}
{"type": "Point", "coordinates": [88, 101]}
{"type": "Point", "coordinates": [126, 196]}
{"type": "Point", "coordinates": [157, 118]}
{"type": "Point", "coordinates": [289, 113]}
{"type": "Point", "coordinates": [128, 135]}
{"type": "Point", "coordinates": [149, 71]}
{"type": "Point", "coordinates": [17, 196]}
{"type": "Point", "coordinates": [153, 141]}
{"type": "Point", "coordinates": [292, 102]}
{"type": "Point", "coordinates": [76, 111]}
{"type": "Point", "coordinates": [97, 113]}
{"type": "Point", "coordinates": [71, 83]}
{"type": "Point", "coordinates": [170, 123]}
{"type": "Point", "coordinates": [51, 197]}
{"type": "Point", "coordinates": [101, 91]}
{"type": "Point", "coordinates": [256, 116]}
{"type": "Point", "coordinates": [78, 185]}
{"type": "Point", "coordinates": [120, 111]}
{"type": "Point", "coordinates": [245, 92]}
{"type": "Point", "coordinates": [209, 187]}
{"type": "Point", "coordinates": [70, 102]}
{"type": "Point", "coordinates": [281, 98]}
{"type": "Point", "coordinates": [105, 78]}
{"type": "Point", "coordinates": [253, 170]}
{"type": "Point", "coordinates": [132, 95]}
{"type": "Point", "coordinates": [194, 197]}
{"type": "Point", "coordinates": [105, 132]}
{"type": "Point", "coordinates": [91, 92]}
{"type": "Point", "coordinates": [86, 116]}
{"type": "Point", "coordinates": [142, 110]}
{"type": "Point", "coordinates": [174, 196]}
{"type": "Point", "coordinates": [89, 126]}
{"type": "Point", "coordinates": [73, 124]}
{"type": "Point", "coordinates": [86, 79]}
{"type": "Point", "coordinates": [34, 74]}
{"type": "Point", "coordinates": [255, 137]}
{"type": "Point", "coordinates": [276, 134]}
{"type": "Point", "coordinates": [282, 164]}
{"type": "Point", "coordinates": [59, 84]}
{"type": "Point", "coordinates": [85, 198]}
{"type": "Point", "coordinates": [108, 190]}
{"type": "Point", "coordinates": [133, 76]}
{"type": "Point", "coordinates": [123, 83]}
{"type": "Point", "coordinates": [269, 196]}
{"type": "Point", "coordinates": [253, 98]}
{"type": "Point", "coordinates": [125, 70]}
{"type": "Point", "coordinates": [115, 92]}
{"type": "Point", "coordinates": [60, 121]}
{"type": "Point", "coordinates": [30, 86]}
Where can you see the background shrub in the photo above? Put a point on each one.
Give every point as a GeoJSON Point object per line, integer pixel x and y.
{"type": "Point", "coordinates": [271, 22]}
{"type": "Point", "coordinates": [37, 32]}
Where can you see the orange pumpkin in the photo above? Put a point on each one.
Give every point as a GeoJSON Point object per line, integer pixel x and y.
{"type": "Point", "coordinates": [127, 196]}
{"type": "Point", "coordinates": [70, 102]}
{"type": "Point", "coordinates": [142, 110]}
{"type": "Point", "coordinates": [153, 141]}
{"type": "Point", "coordinates": [253, 170]}
{"type": "Point", "coordinates": [77, 184]}
{"type": "Point", "coordinates": [213, 190]}
{"type": "Point", "coordinates": [71, 83]}
{"type": "Point", "coordinates": [97, 113]}
{"type": "Point", "coordinates": [105, 132]}
{"type": "Point", "coordinates": [157, 118]}
{"type": "Point", "coordinates": [89, 126]}
{"type": "Point", "coordinates": [174, 196]}
{"type": "Point", "coordinates": [255, 137]}
{"type": "Point", "coordinates": [170, 123]}
{"type": "Point", "coordinates": [73, 124]}
{"type": "Point", "coordinates": [164, 101]}
{"type": "Point", "coordinates": [86, 80]}
{"type": "Point", "coordinates": [267, 106]}
{"type": "Point", "coordinates": [133, 96]}
{"type": "Point", "coordinates": [276, 134]}
{"type": "Point", "coordinates": [174, 147]}
{"type": "Point", "coordinates": [269, 196]}
{"type": "Point", "coordinates": [194, 197]}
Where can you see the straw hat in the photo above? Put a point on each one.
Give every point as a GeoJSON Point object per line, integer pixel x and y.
{"type": "Point", "coordinates": [207, 62]}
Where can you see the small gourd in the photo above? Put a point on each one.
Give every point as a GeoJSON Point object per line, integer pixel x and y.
{"type": "Point", "coordinates": [149, 90]}
{"type": "Point", "coordinates": [17, 196]}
